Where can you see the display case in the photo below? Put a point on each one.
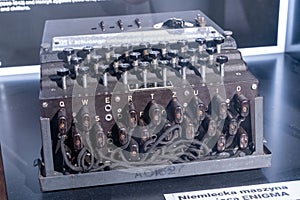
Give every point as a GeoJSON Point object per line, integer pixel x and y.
{"type": "Point", "coordinates": [276, 70]}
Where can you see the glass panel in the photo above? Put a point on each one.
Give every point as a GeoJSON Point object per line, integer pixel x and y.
{"type": "Point", "coordinates": [296, 27]}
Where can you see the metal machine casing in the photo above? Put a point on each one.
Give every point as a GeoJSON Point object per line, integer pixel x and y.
{"type": "Point", "coordinates": [131, 98]}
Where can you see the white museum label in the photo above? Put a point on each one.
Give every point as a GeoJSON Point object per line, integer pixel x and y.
{"type": "Point", "coordinates": [272, 191]}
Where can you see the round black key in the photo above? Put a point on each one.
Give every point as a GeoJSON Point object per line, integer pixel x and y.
{"type": "Point", "coordinates": [135, 55]}
{"type": "Point", "coordinates": [211, 50]}
{"type": "Point", "coordinates": [164, 62]}
{"type": "Point", "coordinates": [63, 72]}
{"type": "Point", "coordinates": [116, 56]}
{"type": "Point", "coordinates": [219, 40]}
{"type": "Point", "coordinates": [124, 67]}
{"type": "Point", "coordinates": [154, 54]}
{"type": "Point", "coordinates": [222, 59]}
{"type": "Point", "coordinates": [76, 60]}
{"type": "Point", "coordinates": [184, 62]}
{"type": "Point", "coordinates": [144, 65]}
{"type": "Point", "coordinates": [173, 53]}
{"type": "Point", "coordinates": [88, 49]}
{"type": "Point", "coordinates": [68, 51]}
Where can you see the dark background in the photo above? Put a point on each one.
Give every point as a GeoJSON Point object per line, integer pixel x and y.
{"type": "Point", "coordinates": [296, 33]}
{"type": "Point", "coordinates": [254, 22]}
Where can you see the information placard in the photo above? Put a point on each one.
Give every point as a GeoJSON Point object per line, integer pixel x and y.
{"type": "Point", "coordinates": [271, 191]}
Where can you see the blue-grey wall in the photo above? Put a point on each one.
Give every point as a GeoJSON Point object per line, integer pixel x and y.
{"type": "Point", "coordinates": [254, 22]}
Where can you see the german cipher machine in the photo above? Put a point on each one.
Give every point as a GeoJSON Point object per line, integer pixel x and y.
{"type": "Point", "coordinates": [142, 97]}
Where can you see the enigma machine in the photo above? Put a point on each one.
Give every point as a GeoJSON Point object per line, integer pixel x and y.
{"type": "Point", "coordinates": [132, 98]}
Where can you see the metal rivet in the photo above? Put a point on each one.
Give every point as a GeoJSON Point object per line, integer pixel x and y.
{"type": "Point", "coordinates": [45, 104]}
{"type": "Point", "coordinates": [186, 93]}
{"type": "Point", "coordinates": [120, 116]}
{"type": "Point", "coordinates": [254, 86]}
{"type": "Point", "coordinates": [117, 99]}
